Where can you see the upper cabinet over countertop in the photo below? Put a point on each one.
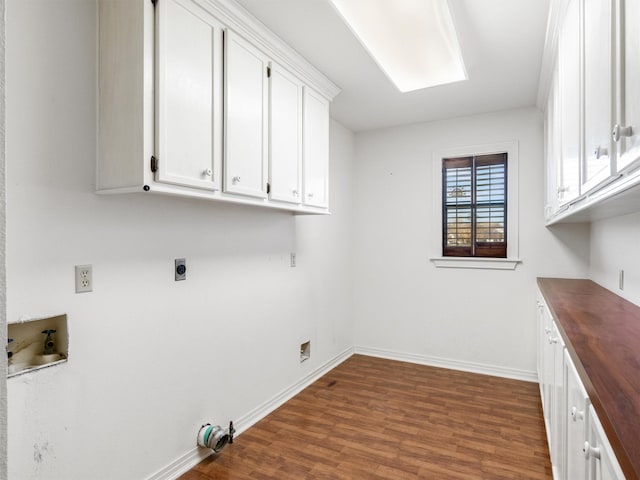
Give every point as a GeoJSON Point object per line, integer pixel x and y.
{"type": "Point", "coordinates": [198, 99]}
{"type": "Point", "coordinates": [590, 93]}
{"type": "Point", "coordinates": [626, 130]}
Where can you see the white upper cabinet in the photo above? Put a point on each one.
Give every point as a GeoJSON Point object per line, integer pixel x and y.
{"type": "Point", "coordinates": [552, 148]}
{"type": "Point", "coordinates": [626, 130]}
{"type": "Point", "coordinates": [594, 109]}
{"type": "Point", "coordinates": [316, 149]}
{"type": "Point", "coordinates": [285, 136]}
{"type": "Point", "coordinates": [188, 95]}
{"type": "Point", "coordinates": [598, 79]}
{"type": "Point", "coordinates": [246, 116]}
{"type": "Point", "coordinates": [569, 103]}
{"type": "Point", "coordinates": [187, 107]}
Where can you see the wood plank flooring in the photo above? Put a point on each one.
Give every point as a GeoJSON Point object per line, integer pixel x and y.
{"type": "Point", "coordinates": [371, 418]}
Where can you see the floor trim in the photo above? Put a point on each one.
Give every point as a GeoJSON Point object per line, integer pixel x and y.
{"type": "Point", "coordinates": [269, 406]}
{"type": "Point", "coordinates": [504, 372]}
{"type": "Point", "coordinates": [190, 459]}
{"type": "Point", "coordinates": [181, 465]}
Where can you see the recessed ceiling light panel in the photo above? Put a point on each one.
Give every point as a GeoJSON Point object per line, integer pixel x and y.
{"type": "Point", "coordinates": [413, 41]}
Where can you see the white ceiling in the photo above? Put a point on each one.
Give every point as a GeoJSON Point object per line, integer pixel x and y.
{"type": "Point", "coordinates": [501, 40]}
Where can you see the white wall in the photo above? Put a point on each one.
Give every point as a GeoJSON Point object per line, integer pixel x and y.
{"type": "Point", "coordinates": [613, 243]}
{"type": "Point", "coordinates": [3, 231]}
{"type": "Point", "coordinates": [151, 359]}
{"type": "Point", "coordinates": [407, 308]}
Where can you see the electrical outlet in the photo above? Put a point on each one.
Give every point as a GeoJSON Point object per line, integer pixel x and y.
{"type": "Point", "coordinates": [621, 280]}
{"type": "Point", "coordinates": [181, 269]}
{"type": "Point", "coordinates": [84, 278]}
{"type": "Point", "coordinates": [292, 259]}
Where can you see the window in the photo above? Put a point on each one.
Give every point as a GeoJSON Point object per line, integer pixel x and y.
{"type": "Point", "coordinates": [475, 207]}
{"type": "Point", "coordinates": [474, 203]}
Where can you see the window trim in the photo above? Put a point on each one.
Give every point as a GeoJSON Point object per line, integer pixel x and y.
{"type": "Point", "coordinates": [512, 259]}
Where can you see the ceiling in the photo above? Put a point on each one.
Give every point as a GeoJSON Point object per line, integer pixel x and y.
{"type": "Point", "coordinates": [502, 43]}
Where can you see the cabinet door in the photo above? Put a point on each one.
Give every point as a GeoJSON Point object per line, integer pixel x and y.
{"type": "Point", "coordinates": [577, 413]}
{"type": "Point", "coordinates": [569, 98]}
{"type": "Point", "coordinates": [602, 462]}
{"type": "Point", "coordinates": [597, 91]}
{"type": "Point", "coordinates": [246, 105]}
{"type": "Point", "coordinates": [552, 148]}
{"type": "Point", "coordinates": [285, 136]}
{"type": "Point", "coordinates": [546, 365]}
{"type": "Point", "coordinates": [188, 95]}
{"type": "Point", "coordinates": [316, 149]}
{"type": "Point", "coordinates": [557, 415]}
{"type": "Point", "coordinates": [626, 132]}
{"type": "Point", "coordinates": [540, 341]}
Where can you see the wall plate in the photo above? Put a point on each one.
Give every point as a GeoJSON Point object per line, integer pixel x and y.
{"type": "Point", "coordinates": [180, 269]}
{"type": "Point", "coordinates": [84, 278]}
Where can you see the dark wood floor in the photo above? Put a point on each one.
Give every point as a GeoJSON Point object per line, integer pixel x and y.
{"type": "Point", "coordinates": [371, 418]}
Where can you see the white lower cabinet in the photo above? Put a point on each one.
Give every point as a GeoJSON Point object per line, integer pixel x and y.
{"type": "Point", "coordinates": [555, 400]}
{"type": "Point", "coordinates": [550, 371]}
{"type": "Point", "coordinates": [558, 410]}
{"type": "Point", "coordinates": [578, 446]}
{"type": "Point", "coordinates": [577, 406]}
{"type": "Point", "coordinates": [545, 364]}
{"type": "Point", "coordinates": [542, 358]}
{"type": "Point", "coordinates": [602, 463]}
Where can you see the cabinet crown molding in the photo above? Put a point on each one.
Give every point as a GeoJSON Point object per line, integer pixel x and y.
{"type": "Point", "coordinates": [557, 9]}
{"type": "Point", "coordinates": [245, 24]}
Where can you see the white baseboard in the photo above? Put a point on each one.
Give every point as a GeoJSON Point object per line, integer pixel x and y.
{"type": "Point", "coordinates": [182, 464]}
{"type": "Point", "coordinates": [496, 371]}
{"type": "Point", "coordinates": [269, 406]}
{"type": "Point", "coordinates": [194, 456]}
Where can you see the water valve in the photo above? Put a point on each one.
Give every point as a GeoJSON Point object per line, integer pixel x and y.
{"type": "Point", "coordinates": [49, 344]}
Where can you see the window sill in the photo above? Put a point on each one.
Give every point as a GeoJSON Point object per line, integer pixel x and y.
{"type": "Point", "coordinates": [480, 263]}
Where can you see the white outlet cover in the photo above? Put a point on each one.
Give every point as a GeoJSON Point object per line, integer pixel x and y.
{"type": "Point", "coordinates": [84, 278]}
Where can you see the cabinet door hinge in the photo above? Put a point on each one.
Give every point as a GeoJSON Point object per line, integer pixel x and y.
{"type": "Point", "coordinates": [154, 164]}
{"type": "Point", "coordinates": [268, 72]}
{"type": "Point", "coordinates": [268, 188]}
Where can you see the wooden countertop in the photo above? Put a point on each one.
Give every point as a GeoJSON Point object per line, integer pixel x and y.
{"type": "Point", "coordinates": [602, 334]}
